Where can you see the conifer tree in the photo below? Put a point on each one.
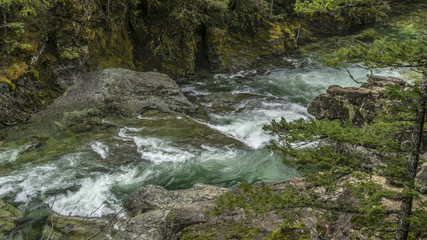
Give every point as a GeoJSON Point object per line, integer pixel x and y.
{"type": "Point", "coordinates": [398, 53]}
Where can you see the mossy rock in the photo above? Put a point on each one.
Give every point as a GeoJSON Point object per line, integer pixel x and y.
{"type": "Point", "coordinates": [13, 72]}
{"type": "Point", "coordinates": [16, 70]}
{"type": "Point", "coordinates": [75, 228]}
{"type": "Point", "coordinates": [8, 215]}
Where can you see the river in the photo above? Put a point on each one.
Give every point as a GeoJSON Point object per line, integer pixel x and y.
{"type": "Point", "coordinates": [92, 173]}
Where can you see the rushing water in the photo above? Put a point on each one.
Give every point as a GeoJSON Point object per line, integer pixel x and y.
{"type": "Point", "coordinates": [78, 174]}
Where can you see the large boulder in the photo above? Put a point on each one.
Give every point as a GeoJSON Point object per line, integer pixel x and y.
{"type": "Point", "coordinates": [114, 92]}
{"type": "Point", "coordinates": [360, 105]}
{"type": "Point", "coordinates": [125, 92]}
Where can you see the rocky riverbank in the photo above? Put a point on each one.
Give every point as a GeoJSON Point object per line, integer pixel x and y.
{"type": "Point", "coordinates": [209, 212]}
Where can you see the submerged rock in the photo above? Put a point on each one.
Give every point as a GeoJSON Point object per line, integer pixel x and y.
{"type": "Point", "coordinates": [8, 216]}
{"type": "Point", "coordinates": [360, 105]}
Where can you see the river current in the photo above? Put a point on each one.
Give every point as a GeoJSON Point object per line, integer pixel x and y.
{"type": "Point", "coordinates": [92, 173]}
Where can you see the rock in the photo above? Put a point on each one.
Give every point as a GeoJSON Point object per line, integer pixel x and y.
{"type": "Point", "coordinates": [8, 216]}
{"type": "Point", "coordinates": [114, 92]}
{"type": "Point", "coordinates": [24, 96]}
{"type": "Point", "coordinates": [75, 228]}
{"type": "Point", "coordinates": [157, 213]}
{"type": "Point", "coordinates": [125, 92]}
{"type": "Point", "coordinates": [360, 105]}
{"type": "Point", "coordinates": [421, 178]}
{"type": "Point", "coordinates": [231, 52]}
{"type": "Point", "coordinates": [135, 92]}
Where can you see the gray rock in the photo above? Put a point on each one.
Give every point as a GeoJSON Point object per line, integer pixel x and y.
{"type": "Point", "coordinates": [345, 103]}
{"type": "Point", "coordinates": [421, 178]}
{"type": "Point", "coordinates": [125, 92]}
{"type": "Point", "coordinates": [157, 213]}
{"type": "Point", "coordinates": [114, 92]}
{"type": "Point", "coordinates": [136, 92]}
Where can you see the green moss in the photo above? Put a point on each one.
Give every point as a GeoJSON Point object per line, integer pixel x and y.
{"type": "Point", "coordinates": [70, 53]}
{"type": "Point", "coordinates": [368, 35]}
{"type": "Point", "coordinates": [50, 233]}
{"type": "Point", "coordinates": [351, 112]}
{"type": "Point", "coordinates": [110, 49]}
{"type": "Point", "coordinates": [234, 50]}
{"type": "Point", "coordinates": [6, 80]}
{"type": "Point", "coordinates": [290, 231]}
{"type": "Point", "coordinates": [74, 228]}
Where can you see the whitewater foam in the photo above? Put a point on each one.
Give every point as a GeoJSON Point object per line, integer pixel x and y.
{"type": "Point", "coordinates": [158, 150]}
{"type": "Point", "coordinates": [92, 199]}
{"type": "Point", "coordinates": [101, 149]}
{"type": "Point", "coordinates": [11, 155]}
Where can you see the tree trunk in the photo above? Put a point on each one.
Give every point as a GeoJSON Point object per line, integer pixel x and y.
{"type": "Point", "coordinates": [402, 228]}
{"type": "Point", "coordinates": [271, 8]}
{"type": "Point", "coordinates": [6, 40]}
{"type": "Point", "coordinates": [107, 17]}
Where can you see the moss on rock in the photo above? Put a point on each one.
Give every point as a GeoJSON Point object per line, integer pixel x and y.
{"type": "Point", "coordinates": [110, 49]}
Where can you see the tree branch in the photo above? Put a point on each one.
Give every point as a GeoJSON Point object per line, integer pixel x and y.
{"type": "Point", "coordinates": [351, 76]}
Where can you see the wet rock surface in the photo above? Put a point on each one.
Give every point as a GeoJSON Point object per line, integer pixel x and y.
{"type": "Point", "coordinates": [17, 105]}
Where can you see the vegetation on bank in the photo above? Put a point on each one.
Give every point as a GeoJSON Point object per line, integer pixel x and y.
{"type": "Point", "coordinates": [171, 36]}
